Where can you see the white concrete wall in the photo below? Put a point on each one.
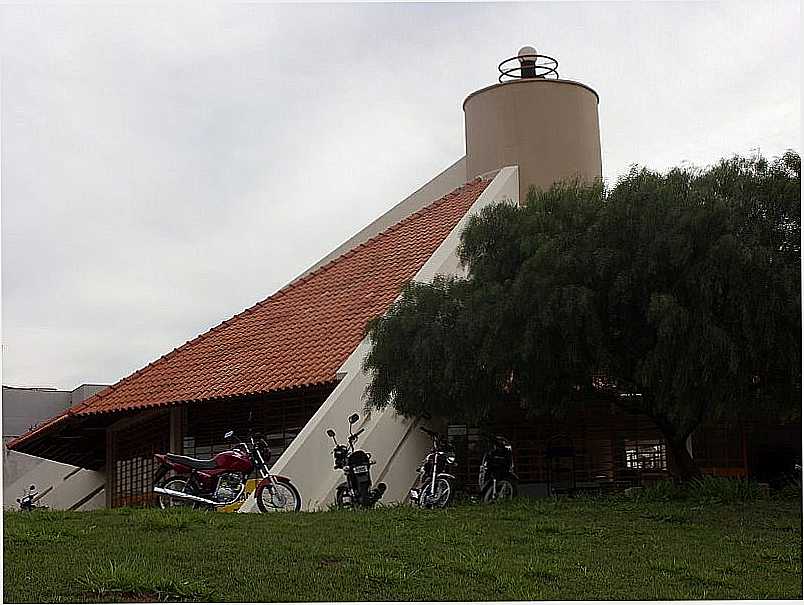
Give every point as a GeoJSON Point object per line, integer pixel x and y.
{"type": "Point", "coordinates": [393, 441]}
{"type": "Point", "coordinates": [62, 486]}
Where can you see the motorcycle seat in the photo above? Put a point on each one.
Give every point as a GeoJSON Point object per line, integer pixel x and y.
{"type": "Point", "coordinates": [191, 462]}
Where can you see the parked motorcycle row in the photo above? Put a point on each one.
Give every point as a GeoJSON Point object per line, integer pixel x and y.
{"type": "Point", "coordinates": [435, 487]}
{"type": "Point", "coordinates": [221, 481]}
{"type": "Point", "coordinates": [435, 484]}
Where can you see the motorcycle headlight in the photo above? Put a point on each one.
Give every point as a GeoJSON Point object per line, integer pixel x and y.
{"type": "Point", "coordinates": [451, 459]}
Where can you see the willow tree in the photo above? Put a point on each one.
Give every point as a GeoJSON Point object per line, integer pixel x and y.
{"type": "Point", "coordinates": [679, 292]}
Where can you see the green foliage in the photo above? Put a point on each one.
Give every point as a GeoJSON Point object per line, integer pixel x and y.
{"type": "Point", "coordinates": [724, 490]}
{"type": "Point", "coordinates": [702, 490]}
{"type": "Point", "coordinates": [682, 288]}
{"type": "Point", "coordinates": [660, 491]}
{"type": "Point", "coordinates": [790, 491]}
{"type": "Point", "coordinates": [443, 351]}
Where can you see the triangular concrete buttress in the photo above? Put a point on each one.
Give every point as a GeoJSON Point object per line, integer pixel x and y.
{"type": "Point", "coordinates": [395, 446]}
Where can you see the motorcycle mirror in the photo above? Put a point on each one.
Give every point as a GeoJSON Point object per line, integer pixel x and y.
{"type": "Point", "coordinates": [353, 418]}
{"type": "Point", "coordinates": [330, 433]}
{"type": "Point", "coordinates": [228, 435]}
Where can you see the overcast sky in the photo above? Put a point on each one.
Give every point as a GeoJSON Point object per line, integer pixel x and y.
{"type": "Point", "coordinates": [164, 168]}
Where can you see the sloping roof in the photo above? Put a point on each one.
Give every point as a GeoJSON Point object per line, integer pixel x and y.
{"type": "Point", "coordinates": [297, 337]}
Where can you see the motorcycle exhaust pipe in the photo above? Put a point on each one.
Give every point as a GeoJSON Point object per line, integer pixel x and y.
{"type": "Point", "coordinates": [182, 495]}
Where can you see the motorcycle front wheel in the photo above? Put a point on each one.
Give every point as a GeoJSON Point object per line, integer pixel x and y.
{"type": "Point", "coordinates": [280, 496]}
{"type": "Point", "coordinates": [177, 483]}
{"type": "Point", "coordinates": [506, 489]}
{"type": "Point", "coordinates": [439, 498]}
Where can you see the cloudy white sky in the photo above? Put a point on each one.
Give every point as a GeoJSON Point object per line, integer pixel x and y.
{"type": "Point", "coordinates": [164, 167]}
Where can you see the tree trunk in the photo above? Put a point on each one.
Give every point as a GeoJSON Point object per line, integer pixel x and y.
{"type": "Point", "coordinates": [684, 466]}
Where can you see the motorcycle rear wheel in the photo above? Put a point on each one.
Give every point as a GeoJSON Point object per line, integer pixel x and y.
{"type": "Point", "coordinates": [177, 483]}
{"type": "Point", "coordinates": [282, 497]}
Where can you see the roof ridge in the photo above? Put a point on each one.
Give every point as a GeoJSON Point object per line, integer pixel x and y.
{"type": "Point", "coordinates": [281, 292]}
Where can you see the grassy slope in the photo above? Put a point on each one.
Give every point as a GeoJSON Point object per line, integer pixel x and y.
{"type": "Point", "coordinates": [522, 550]}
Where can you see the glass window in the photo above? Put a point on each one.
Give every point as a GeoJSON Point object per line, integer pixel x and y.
{"type": "Point", "coordinates": [648, 454]}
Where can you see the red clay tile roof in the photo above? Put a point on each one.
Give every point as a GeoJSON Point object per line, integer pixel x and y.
{"type": "Point", "coordinates": [297, 337]}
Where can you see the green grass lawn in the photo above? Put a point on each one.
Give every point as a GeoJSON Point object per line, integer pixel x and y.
{"type": "Point", "coordinates": [539, 549]}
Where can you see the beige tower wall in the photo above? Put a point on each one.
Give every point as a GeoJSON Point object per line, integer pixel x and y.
{"type": "Point", "coordinates": [549, 128]}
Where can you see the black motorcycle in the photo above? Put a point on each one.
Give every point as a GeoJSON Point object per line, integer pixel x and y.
{"type": "Point", "coordinates": [28, 501]}
{"type": "Point", "coordinates": [496, 478]}
{"type": "Point", "coordinates": [435, 487]}
{"type": "Point", "coordinates": [356, 491]}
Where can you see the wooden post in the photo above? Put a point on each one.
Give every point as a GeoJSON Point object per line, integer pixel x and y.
{"type": "Point", "coordinates": [177, 422]}
{"type": "Point", "coordinates": [110, 480]}
{"type": "Point", "coordinates": [111, 431]}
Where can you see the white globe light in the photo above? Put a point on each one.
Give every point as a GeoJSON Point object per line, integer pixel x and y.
{"type": "Point", "coordinates": [524, 52]}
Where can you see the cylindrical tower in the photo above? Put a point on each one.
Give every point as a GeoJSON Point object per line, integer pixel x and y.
{"type": "Point", "coordinates": [532, 119]}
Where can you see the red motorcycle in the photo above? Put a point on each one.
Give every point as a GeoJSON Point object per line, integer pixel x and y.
{"type": "Point", "coordinates": [221, 481]}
